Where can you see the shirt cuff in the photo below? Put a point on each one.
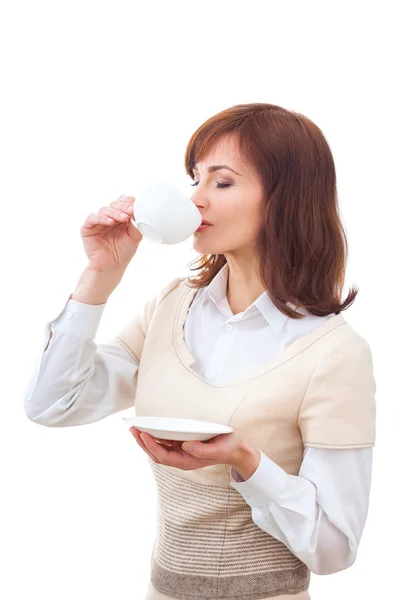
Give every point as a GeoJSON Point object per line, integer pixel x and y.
{"type": "Point", "coordinates": [265, 485]}
{"type": "Point", "coordinates": [79, 319]}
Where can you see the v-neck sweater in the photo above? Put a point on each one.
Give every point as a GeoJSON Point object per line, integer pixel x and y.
{"type": "Point", "coordinates": [319, 392]}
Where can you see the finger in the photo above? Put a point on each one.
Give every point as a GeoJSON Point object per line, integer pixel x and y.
{"type": "Point", "coordinates": [138, 432]}
{"type": "Point", "coordinates": [174, 456]}
{"type": "Point", "coordinates": [165, 442]}
{"type": "Point", "coordinates": [123, 206]}
{"type": "Point", "coordinates": [97, 219]}
{"type": "Point", "coordinates": [160, 451]}
{"type": "Point", "coordinates": [115, 213]}
{"type": "Point", "coordinates": [126, 200]}
{"type": "Point", "coordinates": [125, 203]}
{"type": "Point", "coordinates": [158, 440]}
{"type": "Point", "coordinates": [137, 437]}
{"type": "Point", "coordinates": [172, 445]}
{"type": "Point", "coordinates": [164, 445]}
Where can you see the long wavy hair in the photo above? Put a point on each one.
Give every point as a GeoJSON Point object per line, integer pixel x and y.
{"type": "Point", "coordinates": [301, 249]}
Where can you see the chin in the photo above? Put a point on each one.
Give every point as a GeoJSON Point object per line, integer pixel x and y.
{"type": "Point", "coordinates": [205, 248]}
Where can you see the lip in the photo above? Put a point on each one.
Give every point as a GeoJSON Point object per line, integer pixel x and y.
{"type": "Point", "coordinates": [204, 226]}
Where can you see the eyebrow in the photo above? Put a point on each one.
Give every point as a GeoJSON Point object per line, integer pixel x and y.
{"type": "Point", "coordinates": [213, 168]}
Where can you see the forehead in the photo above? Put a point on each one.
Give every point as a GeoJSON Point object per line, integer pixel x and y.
{"type": "Point", "coordinates": [223, 151]}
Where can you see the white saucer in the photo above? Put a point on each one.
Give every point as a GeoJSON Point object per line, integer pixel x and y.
{"type": "Point", "coordinates": [166, 428]}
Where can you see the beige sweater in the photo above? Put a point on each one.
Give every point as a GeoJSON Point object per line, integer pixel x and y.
{"type": "Point", "coordinates": [319, 391]}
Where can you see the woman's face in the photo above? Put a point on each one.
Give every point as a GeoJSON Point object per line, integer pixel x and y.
{"type": "Point", "coordinates": [230, 201]}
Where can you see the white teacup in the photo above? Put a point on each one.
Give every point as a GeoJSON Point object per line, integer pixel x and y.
{"type": "Point", "coordinates": [164, 215]}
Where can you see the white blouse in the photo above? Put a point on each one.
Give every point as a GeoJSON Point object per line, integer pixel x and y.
{"type": "Point", "coordinates": [318, 514]}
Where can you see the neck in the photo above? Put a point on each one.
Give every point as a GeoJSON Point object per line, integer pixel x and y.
{"type": "Point", "coordinates": [243, 286]}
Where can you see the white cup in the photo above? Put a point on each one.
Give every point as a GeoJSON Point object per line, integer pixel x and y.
{"type": "Point", "coordinates": [164, 215]}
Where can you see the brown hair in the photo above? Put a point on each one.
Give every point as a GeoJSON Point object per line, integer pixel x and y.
{"type": "Point", "coordinates": [302, 246]}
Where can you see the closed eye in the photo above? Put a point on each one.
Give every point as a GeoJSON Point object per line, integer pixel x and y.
{"type": "Point", "coordinates": [219, 185]}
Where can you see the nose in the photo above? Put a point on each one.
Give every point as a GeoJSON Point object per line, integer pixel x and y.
{"type": "Point", "coordinates": [199, 199]}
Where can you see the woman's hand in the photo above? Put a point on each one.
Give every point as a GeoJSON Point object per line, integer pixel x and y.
{"type": "Point", "coordinates": [109, 237]}
{"type": "Point", "coordinates": [227, 448]}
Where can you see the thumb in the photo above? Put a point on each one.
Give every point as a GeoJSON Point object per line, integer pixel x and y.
{"type": "Point", "coordinates": [134, 232]}
{"type": "Point", "coordinates": [191, 447]}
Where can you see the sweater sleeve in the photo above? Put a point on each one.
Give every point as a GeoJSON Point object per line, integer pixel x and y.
{"type": "Point", "coordinates": [338, 408]}
{"type": "Point", "coordinates": [132, 336]}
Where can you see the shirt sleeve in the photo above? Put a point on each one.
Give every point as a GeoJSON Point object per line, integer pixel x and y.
{"type": "Point", "coordinates": [338, 409]}
{"type": "Point", "coordinates": [75, 381]}
{"type": "Point", "coordinates": [319, 514]}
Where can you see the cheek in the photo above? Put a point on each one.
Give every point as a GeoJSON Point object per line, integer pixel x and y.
{"type": "Point", "coordinates": [238, 224]}
{"type": "Point", "coordinates": [240, 207]}
{"type": "Point", "coordinates": [243, 220]}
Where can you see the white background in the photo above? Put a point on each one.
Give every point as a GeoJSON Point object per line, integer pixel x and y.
{"type": "Point", "coordinates": [96, 97]}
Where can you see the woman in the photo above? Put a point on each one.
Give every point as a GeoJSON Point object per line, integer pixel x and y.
{"type": "Point", "coordinates": [257, 341]}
